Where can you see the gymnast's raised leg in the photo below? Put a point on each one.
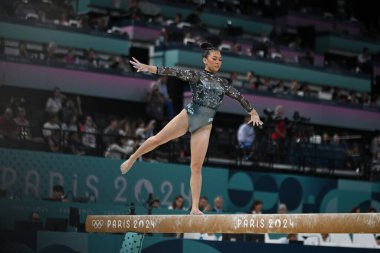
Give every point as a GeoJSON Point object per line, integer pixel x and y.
{"type": "Point", "coordinates": [177, 127]}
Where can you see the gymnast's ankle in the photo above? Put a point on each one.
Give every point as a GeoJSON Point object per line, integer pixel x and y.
{"type": "Point", "coordinates": [196, 212]}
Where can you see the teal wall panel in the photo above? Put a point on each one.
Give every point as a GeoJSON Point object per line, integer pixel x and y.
{"type": "Point", "coordinates": [31, 175]}
{"type": "Point", "coordinates": [250, 25]}
{"type": "Point", "coordinates": [64, 38]}
{"type": "Point", "coordinates": [325, 42]}
{"type": "Point", "coordinates": [272, 69]}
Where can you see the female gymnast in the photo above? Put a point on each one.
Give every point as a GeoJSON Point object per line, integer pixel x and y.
{"type": "Point", "coordinates": [208, 91]}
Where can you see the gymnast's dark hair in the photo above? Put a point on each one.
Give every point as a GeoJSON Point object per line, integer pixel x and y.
{"type": "Point", "coordinates": [208, 47]}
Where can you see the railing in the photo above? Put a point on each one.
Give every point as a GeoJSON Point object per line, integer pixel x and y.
{"type": "Point", "coordinates": [299, 151]}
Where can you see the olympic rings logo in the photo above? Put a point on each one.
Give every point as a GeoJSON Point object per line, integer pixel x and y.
{"type": "Point", "coordinates": [97, 224]}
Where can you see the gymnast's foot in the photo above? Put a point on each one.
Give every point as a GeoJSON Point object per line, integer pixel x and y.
{"type": "Point", "coordinates": [196, 212]}
{"type": "Point", "coordinates": [126, 166]}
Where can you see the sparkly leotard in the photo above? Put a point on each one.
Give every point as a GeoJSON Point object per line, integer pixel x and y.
{"type": "Point", "coordinates": [208, 91]}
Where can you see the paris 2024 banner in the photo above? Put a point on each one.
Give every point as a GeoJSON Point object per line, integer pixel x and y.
{"type": "Point", "coordinates": [32, 175]}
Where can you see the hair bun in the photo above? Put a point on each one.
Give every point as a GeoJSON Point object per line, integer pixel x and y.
{"type": "Point", "coordinates": [206, 45]}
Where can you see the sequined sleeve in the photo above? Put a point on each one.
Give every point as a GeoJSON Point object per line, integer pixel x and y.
{"type": "Point", "coordinates": [183, 74]}
{"type": "Point", "coordinates": [235, 94]}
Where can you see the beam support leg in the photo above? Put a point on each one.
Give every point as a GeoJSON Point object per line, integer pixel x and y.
{"type": "Point", "coordinates": [132, 243]}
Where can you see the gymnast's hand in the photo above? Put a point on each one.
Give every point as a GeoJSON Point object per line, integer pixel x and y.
{"type": "Point", "coordinates": [139, 66]}
{"type": "Point", "coordinates": [255, 118]}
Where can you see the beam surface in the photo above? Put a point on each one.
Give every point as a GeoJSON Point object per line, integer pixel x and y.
{"type": "Point", "coordinates": [236, 223]}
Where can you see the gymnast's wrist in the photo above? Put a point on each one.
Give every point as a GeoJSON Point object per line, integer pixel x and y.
{"type": "Point", "coordinates": [152, 69]}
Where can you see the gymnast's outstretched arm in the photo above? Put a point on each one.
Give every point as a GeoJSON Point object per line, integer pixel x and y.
{"type": "Point", "coordinates": [183, 74]}
{"type": "Point", "coordinates": [235, 94]}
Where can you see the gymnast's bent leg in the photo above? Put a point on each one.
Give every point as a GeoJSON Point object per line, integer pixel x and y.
{"type": "Point", "coordinates": [198, 146]}
{"type": "Point", "coordinates": [175, 128]}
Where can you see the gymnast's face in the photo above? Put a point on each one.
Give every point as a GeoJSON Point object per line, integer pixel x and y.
{"type": "Point", "coordinates": [213, 61]}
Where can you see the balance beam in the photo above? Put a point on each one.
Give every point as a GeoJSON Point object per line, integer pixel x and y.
{"type": "Point", "coordinates": [236, 223]}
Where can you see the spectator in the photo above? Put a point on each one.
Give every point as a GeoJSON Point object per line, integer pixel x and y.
{"type": "Point", "coordinates": [234, 80]}
{"type": "Point", "coordinates": [256, 207]}
{"type": "Point", "coordinates": [163, 89]}
{"type": "Point", "coordinates": [365, 61]}
{"type": "Point", "coordinates": [111, 132]}
{"type": "Point", "coordinates": [218, 204]}
{"type": "Point", "coordinates": [158, 19]}
{"type": "Point", "coordinates": [276, 36]}
{"type": "Point", "coordinates": [125, 128]}
{"type": "Point", "coordinates": [307, 59]}
{"type": "Point", "coordinates": [68, 128]}
{"type": "Point", "coordinates": [23, 126]}
{"type": "Point", "coordinates": [16, 103]}
{"type": "Point", "coordinates": [365, 99]}
{"type": "Point", "coordinates": [143, 132]}
{"type": "Point", "coordinates": [88, 132]}
{"type": "Point", "coordinates": [7, 124]}
{"type": "Point", "coordinates": [246, 137]}
{"type": "Point", "coordinates": [91, 58]}
{"type": "Point", "coordinates": [155, 103]}
{"type": "Point", "coordinates": [51, 132]}
{"type": "Point", "coordinates": [236, 48]}
{"type": "Point", "coordinates": [204, 206]}
{"type": "Point", "coordinates": [355, 209]}
{"type": "Point", "coordinates": [51, 125]}
{"type": "Point", "coordinates": [19, 11]}
{"type": "Point", "coordinates": [2, 45]}
{"type": "Point", "coordinates": [208, 237]}
{"type": "Point", "coordinates": [278, 136]}
{"type": "Point", "coordinates": [282, 209]}
{"type": "Point", "coordinates": [154, 203]}
{"type": "Point", "coordinates": [325, 93]}
{"type": "Point", "coordinates": [163, 39]}
{"type": "Point", "coordinates": [41, 15]}
{"type": "Point", "coordinates": [296, 43]}
{"type": "Point", "coordinates": [279, 89]}
{"type": "Point", "coordinates": [353, 97]}
{"type": "Point", "coordinates": [375, 146]}
{"type": "Point", "coordinates": [336, 140]}
{"type": "Point", "coordinates": [70, 58]}
{"type": "Point", "coordinates": [260, 49]}
{"type": "Point", "coordinates": [118, 63]}
{"type": "Point", "coordinates": [371, 210]}
{"type": "Point", "coordinates": [34, 216]}
{"type": "Point", "coordinates": [267, 86]}
{"type": "Point", "coordinates": [289, 239]}
{"type": "Point", "coordinates": [326, 138]}
{"type": "Point", "coordinates": [251, 81]}
{"type": "Point", "coordinates": [71, 124]}
{"type": "Point", "coordinates": [58, 193]}
{"type": "Point", "coordinates": [73, 144]}
{"type": "Point", "coordinates": [189, 39]}
{"type": "Point", "coordinates": [51, 51]}
{"type": "Point", "coordinates": [99, 24]}
{"type": "Point", "coordinates": [118, 149]}
{"type": "Point", "coordinates": [325, 238]}
{"type": "Point", "coordinates": [23, 50]}
{"type": "Point", "coordinates": [134, 10]}
{"type": "Point", "coordinates": [194, 18]}
{"type": "Point", "coordinates": [353, 157]}
{"type": "Point", "coordinates": [72, 107]}
{"type": "Point", "coordinates": [64, 20]}
{"type": "Point", "coordinates": [378, 240]}
{"type": "Point", "coordinates": [178, 203]}
{"type": "Point", "coordinates": [177, 19]}
{"type": "Point", "coordinates": [54, 103]}
{"type": "Point", "coordinates": [294, 86]}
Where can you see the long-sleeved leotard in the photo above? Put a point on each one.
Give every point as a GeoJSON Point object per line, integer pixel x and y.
{"type": "Point", "coordinates": [207, 91]}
